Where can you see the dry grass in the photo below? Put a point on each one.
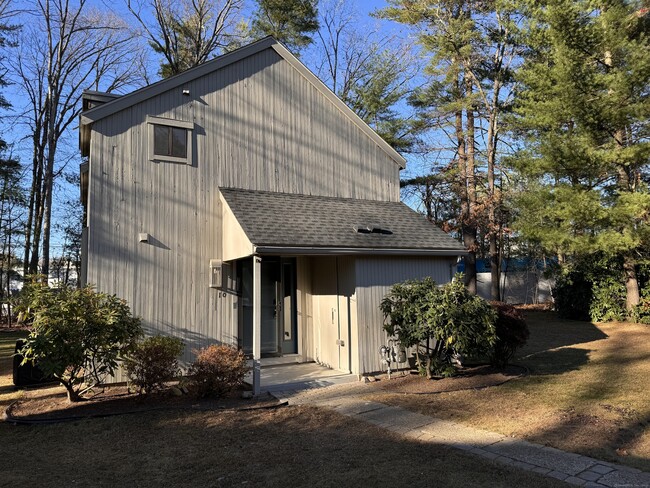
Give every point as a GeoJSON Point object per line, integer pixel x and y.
{"type": "Point", "coordinates": [291, 446]}
{"type": "Point", "coordinates": [588, 392]}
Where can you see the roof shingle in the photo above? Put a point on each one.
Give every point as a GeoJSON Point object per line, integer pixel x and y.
{"type": "Point", "coordinates": [291, 220]}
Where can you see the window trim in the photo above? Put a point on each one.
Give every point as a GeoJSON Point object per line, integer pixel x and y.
{"type": "Point", "coordinates": [179, 124]}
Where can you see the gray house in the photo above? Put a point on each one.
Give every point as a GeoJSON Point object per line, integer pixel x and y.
{"type": "Point", "coordinates": [242, 202]}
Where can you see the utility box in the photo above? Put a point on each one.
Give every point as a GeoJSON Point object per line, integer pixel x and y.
{"type": "Point", "coordinates": [218, 274]}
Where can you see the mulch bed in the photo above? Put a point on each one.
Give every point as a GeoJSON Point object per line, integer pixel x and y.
{"type": "Point", "coordinates": [51, 404]}
{"type": "Point", "coordinates": [468, 378]}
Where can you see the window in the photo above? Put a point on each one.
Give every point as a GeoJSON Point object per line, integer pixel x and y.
{"type": "Point", "coordinates": [170, 140]}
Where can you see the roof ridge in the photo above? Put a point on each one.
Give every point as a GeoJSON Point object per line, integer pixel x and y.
{"type": "Point", "coordinates": [303, 195]}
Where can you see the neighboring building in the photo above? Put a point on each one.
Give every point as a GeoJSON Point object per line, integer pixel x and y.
{"type": "Point", "coordinates": [242, 202]}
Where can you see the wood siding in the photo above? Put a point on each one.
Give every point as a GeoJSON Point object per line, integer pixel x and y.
{"type": "Point", "coordinates": [304, 302]}
{"type": "Point", "coordinates": [375, 276]}
{"type": "Point", "coordinates": [258, 124]}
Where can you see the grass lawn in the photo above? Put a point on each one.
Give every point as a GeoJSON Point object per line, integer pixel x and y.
{"type": "Point", "coordinates": [288, 446]}
{"type": "Point", "coordinates": [588, 391]}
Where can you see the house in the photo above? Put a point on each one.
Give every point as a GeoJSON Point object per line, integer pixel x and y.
{"type": "Point", "coordinates": [241, 201]}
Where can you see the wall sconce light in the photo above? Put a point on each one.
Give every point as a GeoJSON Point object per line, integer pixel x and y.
{"type": "Point", "coordinates": [143, 237]}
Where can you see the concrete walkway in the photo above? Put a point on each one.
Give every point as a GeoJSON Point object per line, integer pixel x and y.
{"type": "Point", "coordinates": [572, 468]}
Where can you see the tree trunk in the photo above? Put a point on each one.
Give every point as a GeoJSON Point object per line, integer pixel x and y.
{"type": "Point", "coordinates": [625, 184]}
{"type": "Point", "coordinates": [495, 264]}
{"type": "Point", "coordinates": [631, 283]}
{"type": "Point", "coordinates": [73, 395]}
{"type": "Point", "coordinates": [469, 239]}
{"type": "Point", "coordinates": [470, 231]}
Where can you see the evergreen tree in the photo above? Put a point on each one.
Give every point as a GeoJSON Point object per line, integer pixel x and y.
{"type": "Point", "coordinates": [585, 110]}
{"type": "Point", "coordinates": [473, 51]}
{"type": "Point", "coordinates": [289, 21]}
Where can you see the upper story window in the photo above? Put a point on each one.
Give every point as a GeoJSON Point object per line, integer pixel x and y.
{"type": "Point", "coordinates": [170, 140]}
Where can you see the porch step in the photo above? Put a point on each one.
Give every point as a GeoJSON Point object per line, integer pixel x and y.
{"type": "Point", "coordinates": [300, 376]}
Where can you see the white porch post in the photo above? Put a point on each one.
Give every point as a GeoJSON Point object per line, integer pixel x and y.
{"type": "Point", "coordinates": [257, 322]}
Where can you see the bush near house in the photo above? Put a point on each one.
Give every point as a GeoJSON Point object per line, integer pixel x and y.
{"type": "Point", "coordinates": [511, 331]}
{"type": "Point", "coordinates": [457, 321]}
{"type": "Point", "coordinates": [217, 370]}
{"type": "Point", "coordinates": [77, 335]}
{"type": "Point", "coordinates": [153, 362]}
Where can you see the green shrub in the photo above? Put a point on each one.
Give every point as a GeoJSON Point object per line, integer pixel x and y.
{"type": "Point", "coordinates": [641, 312]}
{"type": "Point", "coordinates": [77, 335]}
{"type": "Point", "coordinates": [217, 370]}
{"type": "Point", "coordinates": [608, 302]}
{"type": "Point", "coordinates": [573, 295]}
{"type": "Point", "coordinates": [458, 322]}
{"type": "Point", "coordinates": [511, 331]}
{"type": "Point", "coordinates": [153, 362]}
{"type": "Point", "coordinates": [592, 288]}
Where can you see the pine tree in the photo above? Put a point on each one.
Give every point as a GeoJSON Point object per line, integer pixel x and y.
{"type": "Point", "coordinates": [472, 48]}
{"type": "Point", "coordinates": [289, 21]}
{"type": "Point", "coordinates": [585, 110]}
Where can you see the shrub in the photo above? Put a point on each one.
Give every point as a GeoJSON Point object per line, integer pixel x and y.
{"type": "Point", "coordinates": [77, 335]}
{"type": "Point", "coordinates": [217, 370]}
{"type": "Point", "coordinates": [153, 362]}
{"type": "Point", "coordinates": [511, 331]}
{"type": "Point", "coordinates": [573, 295]}
{"type": "Point", "coordinates": [641, 312]}
{"type": "Point", "coordinates": [592, 288]}
{"type": "Point", "coordinates": [458, 322]}
{"type": "Point", "coordinates": [608, 303]}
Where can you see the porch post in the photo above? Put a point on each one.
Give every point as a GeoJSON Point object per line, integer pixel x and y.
{"type": "Point", "coordinates": [257, 322]}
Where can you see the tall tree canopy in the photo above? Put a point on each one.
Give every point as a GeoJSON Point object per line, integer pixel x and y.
{"type": "Point", "coordinates": [472, 51]}
{"type": "Point", "coordinates": [585, 110]}
{"type": "Point", "coordinates": [370, 71]}
{"type": "Point", "coordinates": [186, 33]}
{"type": "Point", "coordinates": [292, 22]}
{"type": "Point", "coordinates": [68, 47]}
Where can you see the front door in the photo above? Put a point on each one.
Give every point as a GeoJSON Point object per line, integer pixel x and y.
{"type": "Point", "coordinates": [278, 287]}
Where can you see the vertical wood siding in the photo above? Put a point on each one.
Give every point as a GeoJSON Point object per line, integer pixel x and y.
{"type": "Point", "coordinates": [258, 124]}
{"type": "Point", "coordinates": [306, 345]}
{"type": "Point", "coordinates": [375, 276]}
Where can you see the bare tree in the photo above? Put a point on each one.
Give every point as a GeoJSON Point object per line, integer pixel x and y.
{"type": "Point", "coordinates": [186, 32]}
{"type": "Point", "coordinates": [369, 71]}
{"type": "Point", "coordinates": [66, 49]}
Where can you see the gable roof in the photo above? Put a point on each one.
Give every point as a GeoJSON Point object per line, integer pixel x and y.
{"type": "Point", "coordinates": [313, 224]}
{"type": "Point", "coordinates": [125, 101]}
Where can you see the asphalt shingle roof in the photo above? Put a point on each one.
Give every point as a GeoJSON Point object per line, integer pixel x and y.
{"type": "Point", "coordinates": [291, 220]}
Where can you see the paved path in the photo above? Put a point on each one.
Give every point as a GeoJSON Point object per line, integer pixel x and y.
{"type": "Point", "coordinates": [565, 466]}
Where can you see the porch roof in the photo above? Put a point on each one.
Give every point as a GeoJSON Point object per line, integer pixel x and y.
{"type": "Point", "coordinates": [306, 224]}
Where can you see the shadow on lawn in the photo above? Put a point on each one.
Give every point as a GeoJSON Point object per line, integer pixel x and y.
{"type": "Point", "coordinates": [294, 446]}
{"type": "Point", "coordinates": [556, 361]}
{"type": "Point", "coordinates": [549, 332]}
{"type": "Point", "coordinates": [597, 410]}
